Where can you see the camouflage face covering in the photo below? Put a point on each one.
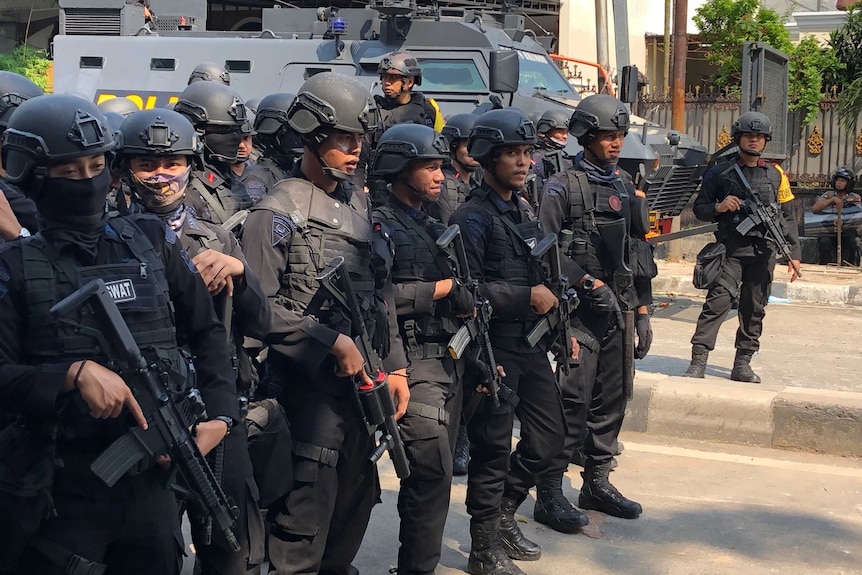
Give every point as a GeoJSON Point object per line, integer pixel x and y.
{"type": "Point", "coordinates": [162, 192]}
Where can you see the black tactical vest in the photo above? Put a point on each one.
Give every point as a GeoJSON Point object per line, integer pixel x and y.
{"type": "Point", "coordinates": [764, 180]}
{"type": "Point", "coordinates": [507, 257]}
{"type": "Point", "coordinates": [417, 111]}
{"type": "Point", "coordinates": [213, 199]}
{"type": "Point", "coordinates": [323, 227]}
{"type": "Point", "coordinates": [417, 258]}
{"type": "Point", "coordinates": [139, 287]}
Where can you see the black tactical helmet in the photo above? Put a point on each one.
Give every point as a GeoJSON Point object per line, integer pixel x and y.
{"type": "Point", "coordinates": [752, 123]}
{"type": "Point", "coordinates": [331, 101]}
{"type": "Point", "coordinates": [121, 106]}
{"type": "Point", "coordinates": [403, 143]}
{"type": "Point", "coordinates": [552, 119]}
{"type": "Point", "coordinates": [252, 104]}
{"type": "Point", "coordinates": [402, 63]}
{"type": "Point", "coordinates": [15, 89]}
{"type": "Point", "coordinates": [52, 129]}
{"type": "Point", "coordinates": [847, 174]}
{"type": "Point", "coordinates": [209, 72]}
{"type": "Point", "coordinates": [158, 132]}
{"type": "Point", "coordinates": [458, 128]}
{"type": "Point", "coordinates": [496, 128]}
{"type": "Point", "coordinates": [114, 119]}
{"type": "Point", "coordinates": [598, 113]}
{"type": "Point", "coordinates": [211, 104]}
{"type": "Point", "coordinates": [271, 113]}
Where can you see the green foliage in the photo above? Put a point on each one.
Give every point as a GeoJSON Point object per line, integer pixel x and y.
{"type": "Point", "coordinates": [725, 25]}
{"type": "Point", "coordinates": [847, 43]}
{"type": "Point", "coordinates": [27, 61]}
{"type": "Point", "coordinates": [811, 66]}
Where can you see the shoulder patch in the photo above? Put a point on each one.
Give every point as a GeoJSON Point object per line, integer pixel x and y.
{"type": "Point", "coordinates": [282, 226]}
{"type": "Point", "coordinates": [4, 274]}
{"type": "Point", "coordinates": [187, 258]}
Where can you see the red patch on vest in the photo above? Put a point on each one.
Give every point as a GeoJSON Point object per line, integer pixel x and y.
{"type": "Point", "coordinates": [210, 177]}
{"type": "Point", "coordinates": [616, 203]}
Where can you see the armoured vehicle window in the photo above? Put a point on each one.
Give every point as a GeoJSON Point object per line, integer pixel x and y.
{"type": "Point", "coordinates": [538, 72]}
{"type": "Point", "coordinates": [163, 64]}
{"type": "Point", "coordinates": [449, 75]}
{"type": "Point", "coordinates": [91, 62]}
{"type": "Point", "coordinates": [238, 66]}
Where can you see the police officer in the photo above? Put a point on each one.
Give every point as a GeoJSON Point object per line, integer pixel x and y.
{"type": "Point", "coordinates": [209, 72]}
{"type": "Point", "coordinates": [750, 259]}
{"type": "Point", "coordinates": [841, 196]}
{"type": "Point", "coordinates": [462, 172]}
{"type": "Point", "coordinates": [156, 154]}
{"type": "Point", "coordinates": [499, 228]}
{"type": "Point", "coordinates": [585, 200]}
{"type": "Point", "coordinates": [57, 377]}
{"type": "Point", "coordinates": [217, 113]}
{"type": "Point", "coordinates": [289, 238]}
{"type": "Point", "coordinates": [246, 157]}
{"type": "Point", "coordinates": [399, 74]}
{"type": "Point", "coordinates": [279, 144]}
{"type": "Point", "coordinates": [17, 211]}
{"type": "Point", "coordinates": [428, 302]}
{"type": "Point", "coordinates": [552, 129]}
{"type": "Point", "coordinates": [120, 105]}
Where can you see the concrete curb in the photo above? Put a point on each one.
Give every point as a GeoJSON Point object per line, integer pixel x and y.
{"type": "Point", "coordinates": [818, 293]}
{"type": "Point", "coordinates": [812, 420]}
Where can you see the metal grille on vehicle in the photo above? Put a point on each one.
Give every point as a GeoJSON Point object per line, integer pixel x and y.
{"type": "Point", "coordinates": [91, 21]}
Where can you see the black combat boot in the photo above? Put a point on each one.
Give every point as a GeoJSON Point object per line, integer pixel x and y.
{"type": "Point", "coordinates": [461, 457]}
{"type": "Point", "coordinates": [554, 510]}
{"type": "Point", "coordinates": [514, 543]}
{"type": "Point", "coordinates": [697, 368]}
{"type": "Point", "coordinates": [597, 493]}
{"type": "Point", "coordinates": [742, 368]}
{"type": "Point", "coordinates": [486, 554]}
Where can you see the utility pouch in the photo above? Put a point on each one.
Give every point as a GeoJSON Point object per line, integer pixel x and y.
{"type": "Point", "coordinates": [709, 265]}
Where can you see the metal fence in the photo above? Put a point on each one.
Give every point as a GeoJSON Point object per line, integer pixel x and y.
{"type": "Point", "coordinates": [816, 149]}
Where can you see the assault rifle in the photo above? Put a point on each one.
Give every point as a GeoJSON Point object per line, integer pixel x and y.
{"type": "Point", "coordinates": [374, 400]}
{"type": "Point", "coordinates": [168, 424]}
{"type": "Point", "coordinates": [614, 235]}
{"type": "Point", "coordinates": [760, 214]}
{"type": "Point", "coordinates": [556, 320]}
{"type": "Point", "coordinates": [476, 328]}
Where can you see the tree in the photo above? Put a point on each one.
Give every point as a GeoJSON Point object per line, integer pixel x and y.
{"type": "Point", "coordinates": [725, 25]}
{"type": "Point", "coordinates": [847, 43]}
{"type": "Point", "coordinates": [30, 62]}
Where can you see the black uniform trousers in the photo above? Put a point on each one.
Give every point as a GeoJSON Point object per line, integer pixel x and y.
{"type": "Point", "coordinates": [318, 527]}
{"type": "Point", "coordinates": [216, 558]}
{"type": "Point", "coordinates": [136, 535]}
{"type": "Point", "coordinates": [593, 397]}
{"type": "Point", "coordinates": [754, 274]}
{"type": "Point", "coordinates": [423, 501]}
{"type": "Point", "coordinates": [851, 247]}
{"type": "Point", "coordinates": [495, 470]}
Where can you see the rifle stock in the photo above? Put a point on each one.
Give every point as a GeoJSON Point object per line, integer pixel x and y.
{"type": "Point", "coordinates": [375, 402]}
{"type": "Point", "coordinates": [477, 328]}
{"type": "Point", "coordinates": [168, 430]}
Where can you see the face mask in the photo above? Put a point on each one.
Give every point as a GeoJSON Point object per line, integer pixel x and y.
{"type": "Point", "coordinates": [222, 147]}
{"type": "Point", "coordinates": [75, 202]}
{"type": "Point", "coordinates": [557, 144]}
{"type": "Point", "coordinates": [161, 193]}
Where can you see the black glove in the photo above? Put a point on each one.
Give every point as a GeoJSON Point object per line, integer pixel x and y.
{"type": "Point", "coordinates": [644, 330]}
{"type": "Point", "coordinates": [461, 300]}
{"type": "Point", "coordinates": [603, 300]}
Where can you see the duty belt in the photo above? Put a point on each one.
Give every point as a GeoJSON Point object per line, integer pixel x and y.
{"type": "Point", "coordinates": [428, 351]}
{"type": "Point", "coordinates": [508, 329]}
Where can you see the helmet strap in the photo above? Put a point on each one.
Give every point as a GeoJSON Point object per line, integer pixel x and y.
{"type": "Point", "coordinates": [313, 144]}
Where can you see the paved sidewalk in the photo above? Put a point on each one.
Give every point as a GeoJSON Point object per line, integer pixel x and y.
{"type": "Point", "coordinates": [810, 362]}
{"type": "Point", "coordinates": [818, 284]}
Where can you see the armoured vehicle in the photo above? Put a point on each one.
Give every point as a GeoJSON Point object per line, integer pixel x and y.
{"type": "Point", "coordinates": [468, 58]}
